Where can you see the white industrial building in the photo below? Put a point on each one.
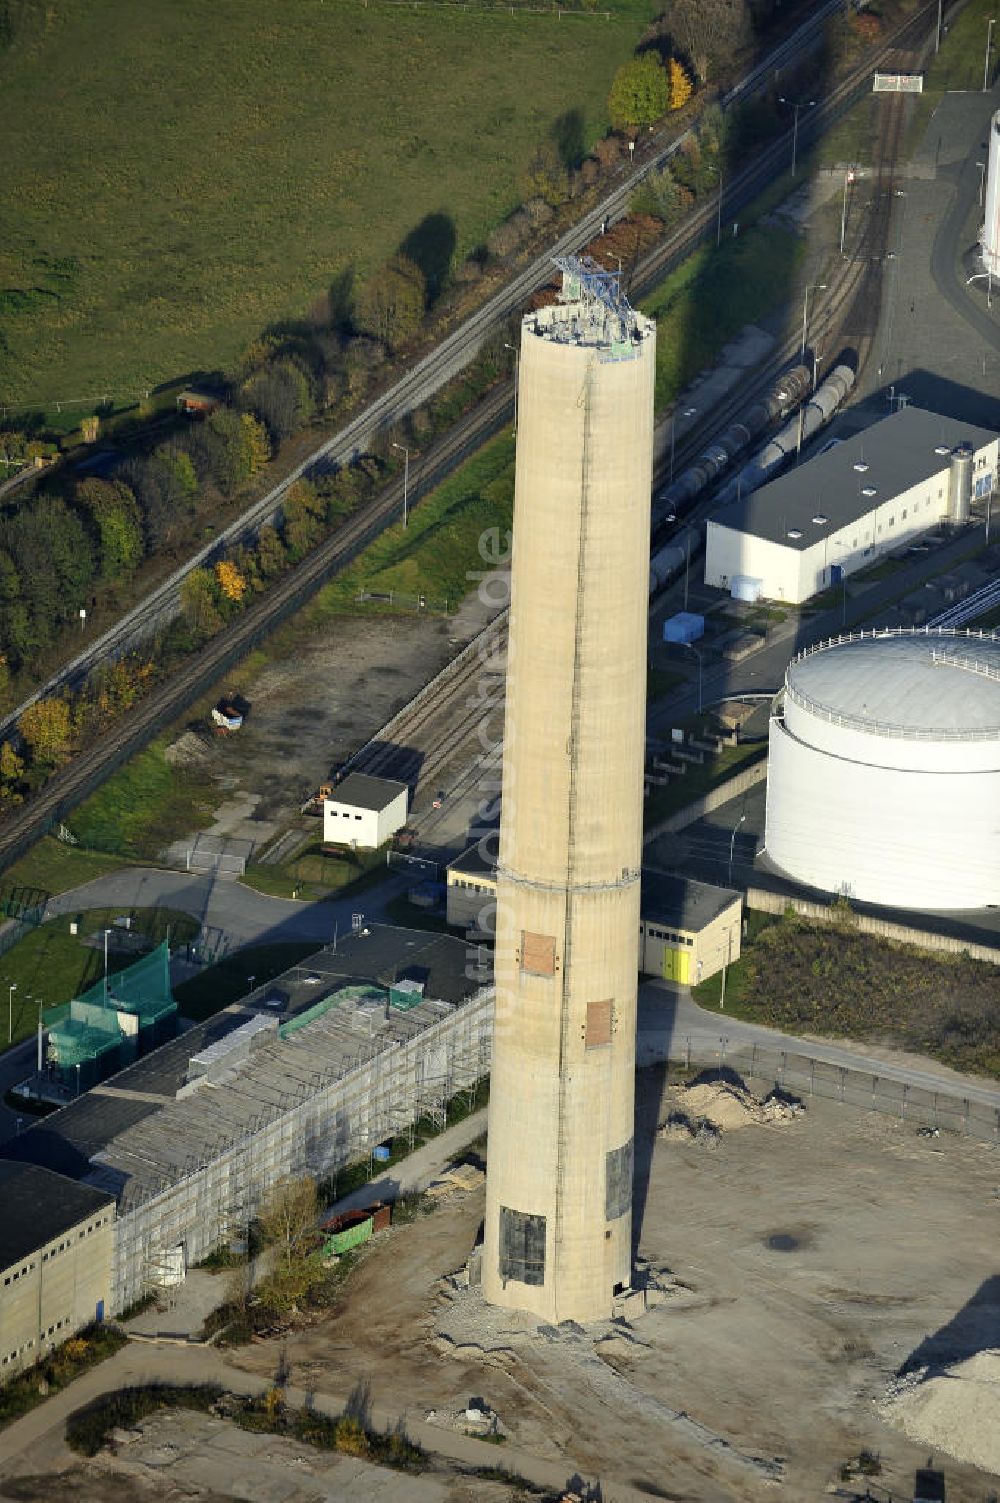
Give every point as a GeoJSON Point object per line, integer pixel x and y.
{"type": "Point", "coordinates": [364, 811]}
{"type": "Point", "coordinates": [883, 776]}
{"type": "Point", "coordinates": [861, 498]}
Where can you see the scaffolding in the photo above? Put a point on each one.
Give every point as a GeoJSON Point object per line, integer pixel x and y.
{"type": "Point", "coordinates": [311, 1101]}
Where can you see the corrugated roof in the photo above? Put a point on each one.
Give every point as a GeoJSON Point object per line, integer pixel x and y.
{"type": "Point", "coordinates": [899, 452]}
{"type": "Point", "coordinates": [680, 902]}
{"type": "Point", "coordinates": [920, 682]}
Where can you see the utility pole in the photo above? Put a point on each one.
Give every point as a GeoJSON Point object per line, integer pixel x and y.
{"type": "Point", "coordinates": [937, 34]}
{"type": "Point", "coordinates": [989, 43]}
{"type": "Point", "coordinates": [848, 180]}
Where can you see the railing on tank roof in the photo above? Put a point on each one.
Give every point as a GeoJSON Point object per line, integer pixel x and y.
{"type": "Point", "coordinates": [889, 728]}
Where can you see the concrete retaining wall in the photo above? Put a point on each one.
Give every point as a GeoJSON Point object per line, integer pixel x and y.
{"type": "Point", "coordinates": [748, 777]}
{"type": "Point", "coordinates": [866, 923]}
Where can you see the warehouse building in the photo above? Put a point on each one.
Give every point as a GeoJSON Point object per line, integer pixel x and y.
{"type": "Point", "coordinates": [56, 1238]}
{"type": "Point", "coordinates": [687, 930]}
{"type": "Point", "coordinates": [856, 501]}
{"type": "Point", "coordinates": [883, 778]}
{"type": "Point", "coordinates": [307, 1075]}
{"type": "Point", "coordinates": [364, 811]}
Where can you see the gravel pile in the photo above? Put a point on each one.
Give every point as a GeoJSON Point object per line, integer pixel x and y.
{"type": "Point", "coordinates": [956, 1411]}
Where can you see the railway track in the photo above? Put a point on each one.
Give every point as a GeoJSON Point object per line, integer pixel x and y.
{"type": "Point", "coordinates": [88, 769]}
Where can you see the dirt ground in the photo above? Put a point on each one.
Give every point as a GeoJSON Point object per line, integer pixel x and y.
{"type": "Point", "coordinates": [810, 1261]}
{"type": "Point", "coordinates": [309, 710]}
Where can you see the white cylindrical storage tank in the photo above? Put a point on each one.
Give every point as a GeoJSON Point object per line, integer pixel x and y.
{"type": "Point", "coordinates": [884, 770]}
{"type": "Point", "coordinates": [991, 221]}
{"type": "Point", "coordinates": [960, 484]}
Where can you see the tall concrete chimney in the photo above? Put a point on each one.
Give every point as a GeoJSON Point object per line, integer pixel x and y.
{"type": "Point", "coordinates": [558, 1234]}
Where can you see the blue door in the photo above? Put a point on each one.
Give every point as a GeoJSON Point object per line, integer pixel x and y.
{"type": "Point", "coordinates": [836, 573]}
{"type": "Point", "coordinates": [100, 1311]}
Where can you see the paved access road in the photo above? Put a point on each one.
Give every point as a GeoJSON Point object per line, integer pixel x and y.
{"type": "Point", "coordinates": [668, 1019]}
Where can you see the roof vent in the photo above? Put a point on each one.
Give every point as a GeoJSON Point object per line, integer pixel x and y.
{"type": "Point", "coordinates": [869, 490]}
{"type": "Point", "coordinates": [941, 449]}
{"type": "Point", "coordinates": [820, 518]}
{"type": "Point", "coordinates": [861, 466]}
{"type": "Point", "coordinates": [794, 532]}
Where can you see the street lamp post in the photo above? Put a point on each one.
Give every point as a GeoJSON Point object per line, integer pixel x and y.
{"type": "Point", "coordinates": [513, 350]}
{"type": "Point", "coordinates": [937, 34]}
{"type": "Point", "coordinates": [692, 648]}
{"type": "Point", "coordinates": [689, 412]}
{"type": "Point", "coordinates": [732, 845]}
{"type": "Point", "coordinates": [106, 933]}
{"type": "Point", "coordinates": [406, 477]}
{"type": "Point", "coordinates": [848, 180]}
{"type": "Point", "coordinates": [801, 104]}
{"type": "Point", "coordinates": [10, 1011]}
{"type": "Point", "coordinates": [989, 43]}
{"type": "Point", "coordinates": [813, 287]}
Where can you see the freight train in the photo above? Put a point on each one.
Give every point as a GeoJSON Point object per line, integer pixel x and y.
{"type": "Point", "coordinates": [786, 394]}
{"type": "Point", "coordinates": [818, 410]}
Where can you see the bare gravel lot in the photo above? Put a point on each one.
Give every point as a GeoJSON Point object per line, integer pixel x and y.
{"type": "Point", "coordinates": [806, 1262]}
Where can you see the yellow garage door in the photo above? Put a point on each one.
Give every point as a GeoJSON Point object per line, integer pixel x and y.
{"type": "Point", "coordinates": [676, 965]}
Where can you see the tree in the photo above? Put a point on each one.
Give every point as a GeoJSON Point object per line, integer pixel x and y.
{"type": "Point", "coordinates": [546, 176]}
{"type": "Point", "coordinates": [45, 729]}
{"type": "Point", "coordinates": [709, 32]}
{"type": "Point", "coordinates": [393, 301]}
{"type": "Point", "coordinates": [640, 93]}
{"type": "Point", "coordinates": [281, 397]}
{"type": "Point", "coordinates": [271, 556]}
{"type": "Point", "coordinates": [302, 518]}
{"type": "Point", "coordinates": [231, 582]}
{"type": "Point", "coordinates": [288, 1220]}
{"type": "Point", "coordinates": [660, 195]}
{"type": "Point", "coordinates": [680, 84]}
{"type": "Point", "coordinates": [112, 514]}
{"type": "Point", "coordinates": [200, 603]}
{"type": "Point", "coordinates": [11, 773]}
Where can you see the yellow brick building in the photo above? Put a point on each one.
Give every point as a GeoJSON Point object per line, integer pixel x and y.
{"type": "Point", "coordinates": [55, 1261]}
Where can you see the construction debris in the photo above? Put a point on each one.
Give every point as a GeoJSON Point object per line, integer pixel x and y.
{"type": "Point", "coordinates": [455, 1182]}
{"type": "Point", "coordinates": [721, 1103]}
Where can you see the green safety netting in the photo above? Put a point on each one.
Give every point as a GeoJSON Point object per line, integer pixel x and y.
{"type": "Point", "coordinates": [85, 1032]}
{"type": "Point", "coordinates": [354, 994]}
{"type": "Point", "coordinates": [142, 989]}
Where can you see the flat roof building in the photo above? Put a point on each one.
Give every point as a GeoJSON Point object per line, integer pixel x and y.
{"type": "Point", "coordinates": [364, 811]}
{"type": "Point", "coordinates": [858, 499]}
{"type": "Point", "coordinates": [56, 1238]}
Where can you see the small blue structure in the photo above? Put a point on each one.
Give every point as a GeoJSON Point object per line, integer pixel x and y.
{"type": "Point", "coordinates": [685, 627]}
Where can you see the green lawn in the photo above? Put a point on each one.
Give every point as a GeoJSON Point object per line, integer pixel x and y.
{"type": "Point", "coordinates": [142, 807]}
{"type": "Point", "coordinates": [438, 554]}
{"type": "Point", "coordinates": [178, 179]}
{"type": "Point", "coordinates": [712, 295]}
{"type": "Point", "coordinates": [220, 984]}
{"type": "Point", "coordinates": [315, 875]}
{"type": "Point", "coordinates": [51, 965]}
{"type": "Point", "coordinates": [55, 867]}
{"type": "Point", "coordinates": [680, 792]}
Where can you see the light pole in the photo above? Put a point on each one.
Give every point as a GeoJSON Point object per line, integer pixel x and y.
{"type": "Point", "coordinates": [848, 180]}
{"type": "Point", "coordinates": [691, 647]}
{"type": "Point", "coordinates": [937, 34]}
{"type": "Point", "coordinates": [406, 477]}
{"type": "Point", "coordinates": [732, 845]}
{"type": "Point", "coordinates": [718, 207]}
{"type": "Point", "coordinates": [106, 933]}
{"type": "Point", "coordinates": [813, 287]}
{"type": "Point", "coordinates": [689, 412]}
{"type": "Point", "coordinates": [10, 1011]}
{"type": "Point", "coordinates": [989, 43]}
{"type": "Point", "coordinates": [513, 351]}
{"type": "Point", "coordinates": [801, 104]}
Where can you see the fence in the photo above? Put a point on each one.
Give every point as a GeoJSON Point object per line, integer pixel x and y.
{"type": "Point", "coordinates": [809, 1075]}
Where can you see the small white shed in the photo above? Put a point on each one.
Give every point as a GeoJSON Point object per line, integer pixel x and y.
{"type": "Point", "coordinates": [364, 811]}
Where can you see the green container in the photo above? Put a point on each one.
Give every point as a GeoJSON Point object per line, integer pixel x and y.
{"type": "Point", "coordinates": [351, 1236]}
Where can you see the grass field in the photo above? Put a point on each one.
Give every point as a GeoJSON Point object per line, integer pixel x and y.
{"type": "Point", "coordinates": [709, 299]}
{"type": "Point", "coordinates": [315, 874]}
{"type": "Point", "coordinates": [54, 867]}
{"type": "Point", "coordinates": [142, 807]}
{"type": "Point", "coordinates": [51, 965]}
{"type": "Point", "coordinates": [680, 792]}
{"type": "Point", "coordinates": [831, 980]}
{"type": "Point", "coordinates": [178, 179]}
